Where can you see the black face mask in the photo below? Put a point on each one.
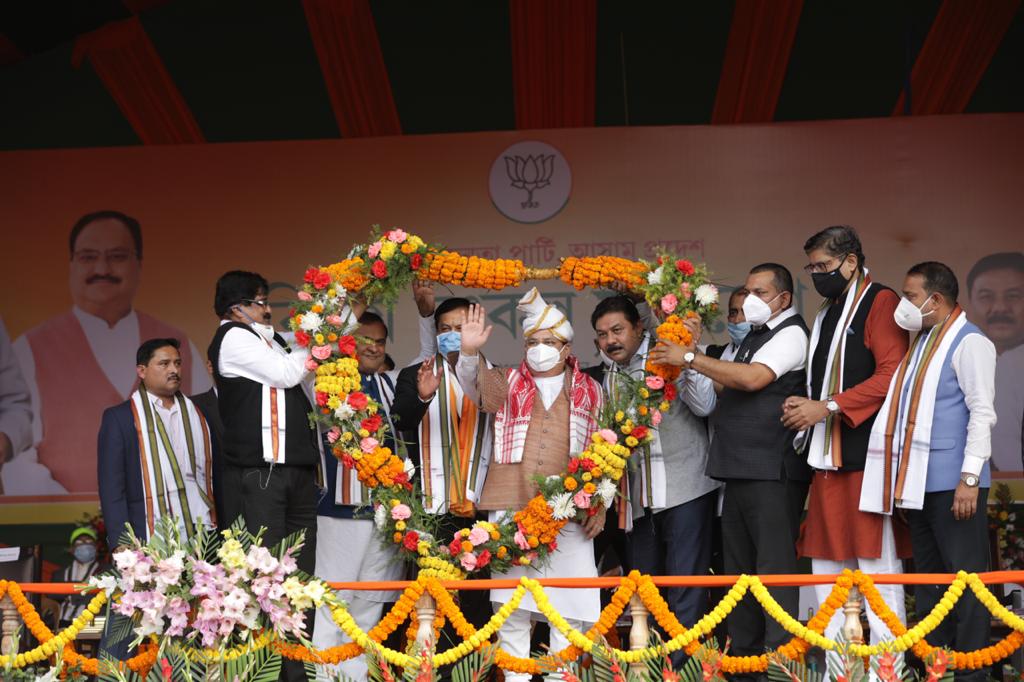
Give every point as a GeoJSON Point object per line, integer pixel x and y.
{"type": "Point", "coordinates": [829, 284]}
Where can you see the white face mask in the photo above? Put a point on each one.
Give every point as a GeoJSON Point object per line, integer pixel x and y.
{"type": "Point", "coordinates": [908, 316]}
{"type": "Point", "coordinates": [542, 358]}
{"type": "Point", "coordinates": [756, 311]}
{"type": "Point", "coordinates": [264, 330]}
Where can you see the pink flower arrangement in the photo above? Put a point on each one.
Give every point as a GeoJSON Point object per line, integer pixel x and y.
{"type": "Point", "coordinates": [335, 320]}
{"type": "Point", "coordinates": [655, 383]}
{"type": "Point", "coordinates": [401, 512]}
{"type": "Point", "coordinates": [320, 352]}
{"type": "Point", "coordinates": [669, 303]}
{"type": "Point", "coordinates": [311, 365]}
{"type": "Point", "coordinates": [581, 499]}
{"type": "Point", "coordinates": [655, 417]}
{"type": "Point", "coordinates": [397, 235]}
{"type": "Point", "coordinates": [374, 249]}
{"type": "Point", "coordinates": [369, 444]}
{"type": "Point", "coordinates": [608, 436]}
{"type": "Point", "coordinates": [520, 539]}
{"type": "Point", "coordinates": [304, 296]}
{"type": "Point", "coordinates": [684, 290]}
{"type": "Point", "coordinates": [333, 435]}
{"type": "Point", "coordinates": [468, 561]}
{"type": "Point", "coordinates": [478, 536]}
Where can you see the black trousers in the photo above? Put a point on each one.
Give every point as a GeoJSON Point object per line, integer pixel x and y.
{"type": "Point", "coordinates": [942, 544]}
{"type": "Point", "coordinates": [757, 537]}
{"type": "Point", "coordinates": [283, 500]}
{"type": "Point", "coordinates": [676, 541]}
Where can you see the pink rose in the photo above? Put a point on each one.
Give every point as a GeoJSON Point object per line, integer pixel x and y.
{"type": "Point", "coordinates": [521, 540]}
{"type": "Point", "coordinates": [684, 289]}
{"type": "Point", "coordinates": [655, 417]}
{"type": "Point", "coordinates": [321, 352]}
{"type": "Point", "coordinates": [669, 303]}
{"type": "Point", "coordinates": [333, 435]}
{"type": "Point", "coordinates": [655, 383]}
{"type": "Point", "coordinates": [311, 365]}
{"type": "Point", "coordinates": [468, 561]}
{"type": "Point", "coordinates": [368, 445]}
{"type": "Point", "coordinates": [397, 235]}
{"type": "Point", "coordinates": [335, 320]}
{"type": "Point", "coordinates": [478, 536]}
{"type": "Point", "coordinates": [581, 500]}
{"type": "Point", "coordinates": [608, 436]}
{"type": "Point", "coordinates": [400, 512]}
{"type": "Point", "coordinates": [305, 296]}
{"type": "Point", "coordinates": [374, 249]}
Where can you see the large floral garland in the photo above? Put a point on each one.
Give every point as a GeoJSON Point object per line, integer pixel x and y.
{"type": "Point", "coordinates": [377, 272]}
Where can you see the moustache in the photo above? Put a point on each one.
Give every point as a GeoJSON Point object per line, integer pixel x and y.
{"type": "Point", "coordinates": [103, 278]}
{"type": "Point", "coordinates": [1000, 319]}
{"type": "Point", "coordinates": [174, 377]}
{"type": "Point", "coordinates": [612, 349]}
{"type": "Point", "coordinates": [266, 318]}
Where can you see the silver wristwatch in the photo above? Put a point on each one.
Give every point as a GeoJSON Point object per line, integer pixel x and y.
{"type": "Point", "coordinates": [969, 480]}
{"type": "Point", "coordinates": [688, 358]}
{"type": "Point", "coordinates": [832, 406]}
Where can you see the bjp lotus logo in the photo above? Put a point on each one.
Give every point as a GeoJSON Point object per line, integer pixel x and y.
{"type": "Point", "coordinates": [539, 170]}
{"type": "Point", "coordinates": [530, 174]}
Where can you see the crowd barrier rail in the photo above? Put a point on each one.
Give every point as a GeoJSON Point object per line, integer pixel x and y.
{"type": "Point", "coordinates": [428, 601]}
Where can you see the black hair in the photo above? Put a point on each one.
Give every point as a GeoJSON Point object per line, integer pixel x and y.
{"type": "Point", "coordinates": [1007, 260]}
{"type": "Point", "coordinates": [938, 279]}
{"type": "Point", "coordinates": [782, 277]}
{"type": "Point", "coordinates": [149, 348]}
{"type": "Point", "coordinates": [838, 241]}
{"type": "Point", "coordinates": [615, 304]}
{"type": "Point", "coordinates": [389, 362]}
{"type": "Point", "coordinates": [131, 224]}
{"type": "Point", "coordinates": [236, 286]}
{"type": "Point", "coordinates": [370, 317]}
{"type": "Point", "coordinates": [448, 305]}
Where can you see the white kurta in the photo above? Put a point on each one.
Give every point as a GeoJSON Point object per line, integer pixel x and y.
{"type": "Point", "coordinates": [574, 558]}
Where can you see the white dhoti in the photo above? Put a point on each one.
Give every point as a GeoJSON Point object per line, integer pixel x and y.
{"type": "Point", "coordinates": [574, 558]}
{"type": "Point", "coordinates": [348, 550]}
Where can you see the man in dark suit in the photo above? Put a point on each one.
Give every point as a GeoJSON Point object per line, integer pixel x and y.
{"type": "Point", "coordinates": [207, 404]}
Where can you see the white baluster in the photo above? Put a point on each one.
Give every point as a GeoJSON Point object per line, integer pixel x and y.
{"type": "Point", "coordinates": [8, 624]}
{"type": "Point", "coordinates": [425, 611]}
{"type": "Point", "coordinates": [853, 632]}
{"type": "Point", "coordinates": [639, 632]}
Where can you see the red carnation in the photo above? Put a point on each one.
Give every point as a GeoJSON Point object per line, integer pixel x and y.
{"type": "Point", "coordinates": [302, 338]}
{"type": "Point", "coordinates": [347, 460]}
{"type": "Point", "coordinates": [483, 558]}
{"type": "Point", "coordinates": [639, 432]}
{"type": "Point", "coordinates": [379, 269]}
{"type": "Point", "coordinates": [574, 465]}
{"type": "Point", "coordinates": [310, 275]}
{"type": "Point", "coordinates": [322, 279]}
{"type": "Point", "coordinates": [670, 392]}
{"type": "Point", "coordinates": [553, 545]}
{"type": "Point", "coordinates": [373, 423]}
{"type": "Point", "coordinates": [415, 262]}
{"type": "Point", "coordinates": [587, 464]}
{"type": "Point", "coordinates": [412, 538]}
{"type": "Point", "coordinates": [347, 345]}
{"type": "Point", "coordinates": [358, 400]}
{"type": "Point", "coordinates": [321, 398]}
{"type": "Point", "coordinates": [684, 266]}
{"type": "Point", "coordinates": [456, 546]}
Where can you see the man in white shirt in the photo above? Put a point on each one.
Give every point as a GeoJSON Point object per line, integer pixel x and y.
{"type": "Point", "coordinates": [995, 289]}
{"type": "Point", "coordinates": [93, 338]}
{"type": "Point", "coordinates": [15, 404]}
{"type": "Point", "coordinates": [753, 451]}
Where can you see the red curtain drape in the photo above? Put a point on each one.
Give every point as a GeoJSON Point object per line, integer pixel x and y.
{"type": "Point", "coordinates": [554, 62]}
{"type": "Point", "coordinates": [345, 38]}
{"type": "Point", "coordinates": [756, 56]}
{"type": "Point", "coordinates": [962, 41]}
{"type": "Point", "coordinates": [130, 68]}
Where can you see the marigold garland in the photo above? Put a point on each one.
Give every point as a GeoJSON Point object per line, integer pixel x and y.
{"type": "Point", "coordinates": [601, 271]}
{"type": "Point", "coordinates": [673, 330]}
{"type": "Point", "coordinates": [451, 267]}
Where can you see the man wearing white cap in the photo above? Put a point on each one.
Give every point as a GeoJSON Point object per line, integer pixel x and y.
{"type": "Point", "coordinates": [544, 412]}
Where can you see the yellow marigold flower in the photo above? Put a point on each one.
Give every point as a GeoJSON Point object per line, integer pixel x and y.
{"type": "Point", "coordinates": [363, 433]}
{"type": "Point", "coordinates": [589, 488]}
{"type": "Point", "coordinates": [620, 415]}
{"type": "Point", "coordinates": [394, 503]}
{"type": "Point", "coordinates": [570, 483]}
{"type": "Point", "coordinates": [642, 410]}
{"type": "Point", "coordinates": [387, 250]}
{"type": "Point", "coordinates": [400, 525]}
{"type": "Point", "coordinates": [502, 552]}
{"type": "Point", "coordinates": [644, 393]}
{"type": "Point", "coordinates": [397, 537]}
{"type": "Point", "coordinates": [495, 535]}
{"type": "Point", "coordinates": [664, 406]}
{"type": "Point", "coordinates": [346, 437]}
{"type": "Point", "coordinates": [319, 338]}
{"type": "Point", "coordinates": [586, 476]}
{"type": "Point", "coordinates": [631, 441]}
{"type": "Point", "coordinates": [467, 546]}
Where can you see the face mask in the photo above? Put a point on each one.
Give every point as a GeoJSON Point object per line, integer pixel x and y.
{"type": "Point", "coordinates": [449, 342]}
{"type": "Point", "coordinates": [264, 330]}
{"type": "Point", "coordinates": [756, 311]}
{"type": "Point", "coordinates": [908, 316]}
{"type": "Point", "coordinates": [738, 331]}
{"type": "Point", "coordinates": [542, 358]}
{"type": "Point", "coordinates": [85, 554]}
{"type": "Point", "coordinates": [829, 284]}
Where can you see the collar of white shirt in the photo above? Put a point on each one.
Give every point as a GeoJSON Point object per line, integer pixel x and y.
{"type": "Point", "coordinates": [782, 317]}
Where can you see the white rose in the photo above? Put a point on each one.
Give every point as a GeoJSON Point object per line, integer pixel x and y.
{"type": "Point", "coordinates": [344, 411]}
{"type": "Point", "coordinates": [311, 322]}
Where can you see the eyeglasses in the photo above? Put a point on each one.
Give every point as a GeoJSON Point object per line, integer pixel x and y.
{"type": "Point", "coordinates": [554, 343]}
{"type": "Point", "coordinates": [824, 266]}
{"type": "Point", "coordinates": [258, 302]}
{"type": "Point", "coordinates": [112, 256]}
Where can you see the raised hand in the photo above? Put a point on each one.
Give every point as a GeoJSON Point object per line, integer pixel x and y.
{"type": "Point", "coordinates": [475, 330]}
{"type": "Point", "coordinates": [693, 324]}
{"type": "Point", "coordinates": [423, 294]}
{"type": "Point", "coordinates": [668, 353]}
{"type": "Point", "coordinates": [427, 380]}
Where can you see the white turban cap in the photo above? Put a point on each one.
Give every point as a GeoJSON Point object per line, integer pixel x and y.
{"type": "Point", "coordinates": [538, 315]}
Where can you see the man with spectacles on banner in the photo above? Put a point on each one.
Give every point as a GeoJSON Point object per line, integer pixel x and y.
{"type": "Point", "coordinates": [94, 337]}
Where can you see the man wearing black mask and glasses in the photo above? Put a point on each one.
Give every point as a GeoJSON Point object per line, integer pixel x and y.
{"type": "Point", "coordinates": [854, 350]}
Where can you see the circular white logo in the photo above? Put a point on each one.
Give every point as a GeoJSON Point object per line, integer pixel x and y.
{"type": "Point", "coordinates": [530, 182]}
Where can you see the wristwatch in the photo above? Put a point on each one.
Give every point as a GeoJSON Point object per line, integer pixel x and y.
{"type": "Point", "coordinates": [969, 480]}
{"type": "Point", "coordinates": [832, 406]}
{"type": "Point", "coordinates": [688, 358]}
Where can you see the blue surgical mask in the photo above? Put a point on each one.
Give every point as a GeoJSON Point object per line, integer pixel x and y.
{"type": "Point", "coordinates": [85, 553]}
{"type": "Point", "coordinates": [449, 342]}
{"type": "Point", "coordinates": [738, 331]}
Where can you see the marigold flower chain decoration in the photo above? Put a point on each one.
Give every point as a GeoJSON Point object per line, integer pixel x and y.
{"type": "Point", "coordinates": [357, 432]}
